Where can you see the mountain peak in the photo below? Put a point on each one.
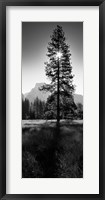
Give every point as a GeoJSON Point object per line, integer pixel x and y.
{"type": "Point", "coordinates": [35, 92]}
{"type": "Point", "coordinates": [37, 85]}
{"type": "Point", "coordinates": [42, 95]}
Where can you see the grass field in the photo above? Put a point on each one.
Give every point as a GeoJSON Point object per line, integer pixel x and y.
{"type": "Point", "coordinates": [47, 153]}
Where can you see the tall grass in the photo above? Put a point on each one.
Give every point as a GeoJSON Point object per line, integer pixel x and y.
{"type": "Point", "coordinates": [46, 154]}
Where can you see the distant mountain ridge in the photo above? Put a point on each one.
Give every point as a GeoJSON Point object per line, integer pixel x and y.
{"type": "Point", "coordinates": [42, 95]}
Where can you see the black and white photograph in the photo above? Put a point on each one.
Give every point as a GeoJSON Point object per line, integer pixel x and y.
{"type": "Point", "coordinates": [52, 99]}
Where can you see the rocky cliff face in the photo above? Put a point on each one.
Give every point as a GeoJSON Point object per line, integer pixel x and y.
{"type": "Point", "coordinates": [42, 95]}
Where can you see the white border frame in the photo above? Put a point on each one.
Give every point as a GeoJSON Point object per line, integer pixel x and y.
{"type": "Point", "coordinates": [90, 183]}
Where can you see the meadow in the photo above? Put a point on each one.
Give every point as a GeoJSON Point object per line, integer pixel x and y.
{"type": "Point", "coordinates": [51, 153]}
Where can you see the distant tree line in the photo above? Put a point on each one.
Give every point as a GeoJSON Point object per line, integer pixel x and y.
{"type": "Point", "coordinates": [48, 110]}
{"type": "Point", "coordinates": [33, 110]}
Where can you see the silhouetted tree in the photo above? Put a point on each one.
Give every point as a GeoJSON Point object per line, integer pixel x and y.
{"type": "Point", "coordinates": [59, 71]}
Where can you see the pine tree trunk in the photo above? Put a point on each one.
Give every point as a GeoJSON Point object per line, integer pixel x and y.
{"type": "Point", "coordinates": [58, 108]}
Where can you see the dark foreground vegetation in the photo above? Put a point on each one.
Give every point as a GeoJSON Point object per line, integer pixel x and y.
{"type": "Point", "coordinates": [49, 154]}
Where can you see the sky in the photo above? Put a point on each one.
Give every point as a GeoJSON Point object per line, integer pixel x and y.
{"type": "Point", "coordinates": [35, 38]}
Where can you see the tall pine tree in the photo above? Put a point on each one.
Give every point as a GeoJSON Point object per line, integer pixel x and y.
{"type": "Point", "coordinates": [59, 70]}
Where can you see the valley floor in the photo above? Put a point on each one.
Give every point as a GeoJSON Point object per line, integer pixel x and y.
{"type": "Point", "coordinates": [51, 153]}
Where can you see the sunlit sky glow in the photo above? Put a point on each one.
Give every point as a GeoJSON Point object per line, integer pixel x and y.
{"type": "Point", "coordinates": [35, 38]}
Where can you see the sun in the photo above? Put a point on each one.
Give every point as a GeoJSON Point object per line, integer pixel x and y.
{"type": "Point", "coordinates": [58, 54]}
